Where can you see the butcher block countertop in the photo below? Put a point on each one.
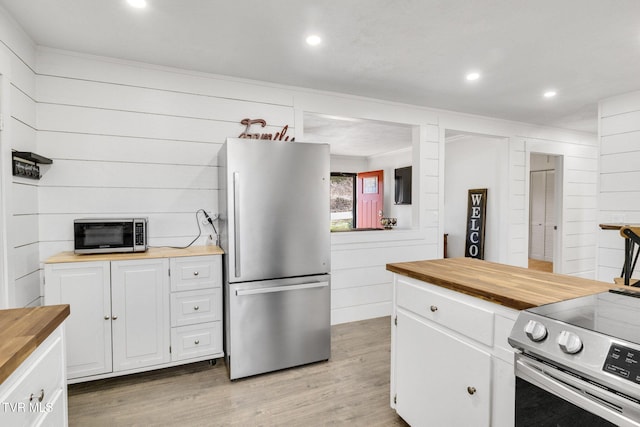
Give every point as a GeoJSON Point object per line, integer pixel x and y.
{"type": "Point", "coordinates": [514, 287]}
{"type": "Point", "coordinates": [24, 329]}
{"type": "Point", "coordinates": [165, 252]}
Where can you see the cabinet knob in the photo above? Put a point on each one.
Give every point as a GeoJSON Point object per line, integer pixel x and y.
{"type": "Point", "coordinates": [114, 318]}
{"type": "Point", "coordinates": [196, 308]}
{"type": "Point", "coordinates": [471, 390]}
{"type": "Point", "coordinates": [40, 398]}
{"type": "Point", "coordinates": [107, 317]}
{"type": "Point", "coordinates": [196, 342]}
{"type": "Point", "coordinates": [433, 308]}
{"type": "Point", "coordinates": [195, 273]}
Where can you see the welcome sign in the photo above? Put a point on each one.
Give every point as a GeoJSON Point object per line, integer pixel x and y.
{"type": "Point", "coordinates": [476, 219]}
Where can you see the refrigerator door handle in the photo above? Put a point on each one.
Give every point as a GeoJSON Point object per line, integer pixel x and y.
{"type": "Point", "coordinates": [236, 222]}
{"type": "Point", "coordinates": [273, 289]}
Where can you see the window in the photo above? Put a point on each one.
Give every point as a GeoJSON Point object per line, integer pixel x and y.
{"type": "Point", "coordinates": [343, 207]}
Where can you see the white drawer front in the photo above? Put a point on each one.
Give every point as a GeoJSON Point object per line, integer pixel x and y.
{"type": "Point", "coordinates": [188, 342]}
{"type": "Point", "coordinates": [471, 321]}
{"type": "Point", "coordinates": [31, 391]}
{"type": "Point", "coordinates": [199, 272]}
{"type": "Point", "coordinates": [190, 307]}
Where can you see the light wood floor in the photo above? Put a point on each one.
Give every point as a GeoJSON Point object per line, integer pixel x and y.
{"type": "Point", "coordinates": [350, 389]}
{"type": "Point", "coordinates": [535, 264]}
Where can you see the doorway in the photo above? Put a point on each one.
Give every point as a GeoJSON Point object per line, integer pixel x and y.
{"type": "Point", "coordinates": [544, 208]}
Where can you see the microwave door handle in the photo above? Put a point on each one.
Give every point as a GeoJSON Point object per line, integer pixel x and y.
{"type": "Point", "coordinates": [236, 222]}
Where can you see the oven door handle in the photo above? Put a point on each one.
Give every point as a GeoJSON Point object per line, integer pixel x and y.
{"type": "Point", "coordinates": [581, 393]}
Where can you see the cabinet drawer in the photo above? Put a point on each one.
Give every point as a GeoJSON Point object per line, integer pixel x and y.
{"type": "Point", "coordinates": [190, 307]}
{"type": "Point", "coordinates": [199, 272]}
{"type": "Point", "coordinates": [466, 319]}
{"type": "Point", "coordinates": [40, 376]}
{"type": "Point", "coordinates": [188, 342]}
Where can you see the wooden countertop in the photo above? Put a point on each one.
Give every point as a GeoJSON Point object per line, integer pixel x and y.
{"type": "Point", "coordinates": [24, 329]}
{"type": "Point", "coordinates": [515, 287]}
{"type": "Point", "coordinates": [617, 226]}
{"type": "Point", "coordinates": [164, 252]}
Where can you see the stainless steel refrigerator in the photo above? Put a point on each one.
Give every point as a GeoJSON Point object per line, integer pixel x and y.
{"type": "Point", "coordinates": [274, 220]}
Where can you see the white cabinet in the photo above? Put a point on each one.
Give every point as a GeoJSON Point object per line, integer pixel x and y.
{"type": "Point", "coordinates": [86, 287]}
{"type": "Point", "coordinates": [196, 308]}
{"type": "Point", "coordinates": [137, 314]}
{"type": "Point", "coordinates": [119, 313]}
{"type": "Point", "coordinates": [35, 394]}
{"type": "Point", "coordinates": [440, 380]}
{"type": "Point", "coordinates": [450, 358]}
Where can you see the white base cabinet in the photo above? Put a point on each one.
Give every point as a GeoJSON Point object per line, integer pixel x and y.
{"type": "Point", "coordinates": [35, 394]}
{"type": "Point", "coordinates": [139, 313]}
{"type": "Point", "coordinates": [126, 316]}
{"type": "Point", "coordinates": [450, 358]}
{"type": "Point", "coordinates": [86, 287]}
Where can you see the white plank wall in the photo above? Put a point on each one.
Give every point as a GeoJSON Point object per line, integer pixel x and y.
{"type": "Point", "coordinates": [121, 148]}
{"type": "Point", "coordinates": [20, 206]}
{"type": "Point", "coordinates": [518, 192]}
{"type": "Point", "coordinates": [137, 139]}
{"type": "Point", "coordinates": [124, 144]}
{"type": "Point", "coordinates": [579, 227]}
{"type": "Point", "coordinates": [619, 178]}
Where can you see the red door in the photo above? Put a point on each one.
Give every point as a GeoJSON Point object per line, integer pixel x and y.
{"type": "Point", "coordinates": [369, 193]}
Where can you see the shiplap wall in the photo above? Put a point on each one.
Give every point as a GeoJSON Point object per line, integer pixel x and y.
{"type": "Point", "coordinates": [136, 139]}
{"type": "Point", "coordinates": [129, 139]}
{"type": "Point", "coordinates": [122, 147]}
{"type": "Point", "coordinates": [578, 226]}
{"type": "Point", "coordinates": [619, 178]}
{"type": "Point", "coordinates": [21, 275]}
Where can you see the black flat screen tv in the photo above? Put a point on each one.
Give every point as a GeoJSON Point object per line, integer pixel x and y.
{"type": "Point", "coordinates": [403, 186]}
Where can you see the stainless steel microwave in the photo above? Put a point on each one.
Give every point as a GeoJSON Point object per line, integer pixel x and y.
{"type": "Point", "coordinates": [106, 235]}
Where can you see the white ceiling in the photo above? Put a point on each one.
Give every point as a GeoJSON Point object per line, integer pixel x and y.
{"type": "Point", "coordinates": [413, 51]}
{"type": "Point", "coordinates": [356, 137]}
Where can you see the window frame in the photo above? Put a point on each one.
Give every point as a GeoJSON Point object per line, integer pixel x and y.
{"type": "Point", "coordinates": [354, 177]}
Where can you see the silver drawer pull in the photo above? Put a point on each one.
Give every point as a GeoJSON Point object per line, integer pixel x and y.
{"type": "Point", "coordinates": [196, 308]}
{"type": "Point", "coordinates": [195, 273]}
{"type": "Point", "coordinates": [196, 342]}
{"type": "Point", "coordinates": [433, 308]}
{"type": "Point", "coordinates": [40, 398]}
{"type": "Point", "coordinates": [114, 318]}
{"type": "Point", "coordinates": [471, 390]}
{"type": "Point", "coordinates": [107, 317]}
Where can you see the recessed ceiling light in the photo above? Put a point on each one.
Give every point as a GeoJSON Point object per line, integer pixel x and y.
{"type": "Point", "coordinates": [473, 76]}
{"type": "Point", "coordinates": [550, 94]}
{"type": "Point", "coordinates": [139, 4]}
{"type": "Point", "coordinates": [314, 40]}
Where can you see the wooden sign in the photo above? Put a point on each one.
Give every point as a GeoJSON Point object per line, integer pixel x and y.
{"type": "Point", "coordinates": [476, 220]}
{"type": "Point", "coordinates": [279, 136]}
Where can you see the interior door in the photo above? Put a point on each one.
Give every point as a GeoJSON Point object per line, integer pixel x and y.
{"type": "Point", "coordinates": [369, 197]}
{"type": "Point", "coordinates": [542, 219]}
{"type": "Point", "coordinates": [550, 215]}
{"type": "Point", "coordinates": [537, 214]}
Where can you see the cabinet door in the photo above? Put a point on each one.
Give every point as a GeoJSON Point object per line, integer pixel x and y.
{"type": "Point", "coordinates": [140, 313]}
{"type": "Point", "coordinates": [85, 286]}
{"type": "Point", "coordinates": [440, 380]}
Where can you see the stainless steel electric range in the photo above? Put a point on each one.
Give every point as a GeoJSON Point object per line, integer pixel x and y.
{"type": "Point", "coordinates": [578, 361]}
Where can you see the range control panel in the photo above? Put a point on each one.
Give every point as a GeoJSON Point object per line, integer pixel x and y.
{"type": "Point", "coordinates": [623, 362]}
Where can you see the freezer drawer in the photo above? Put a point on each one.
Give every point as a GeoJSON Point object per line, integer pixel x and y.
{"type": "Point", "coordinates": [278, 324]}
